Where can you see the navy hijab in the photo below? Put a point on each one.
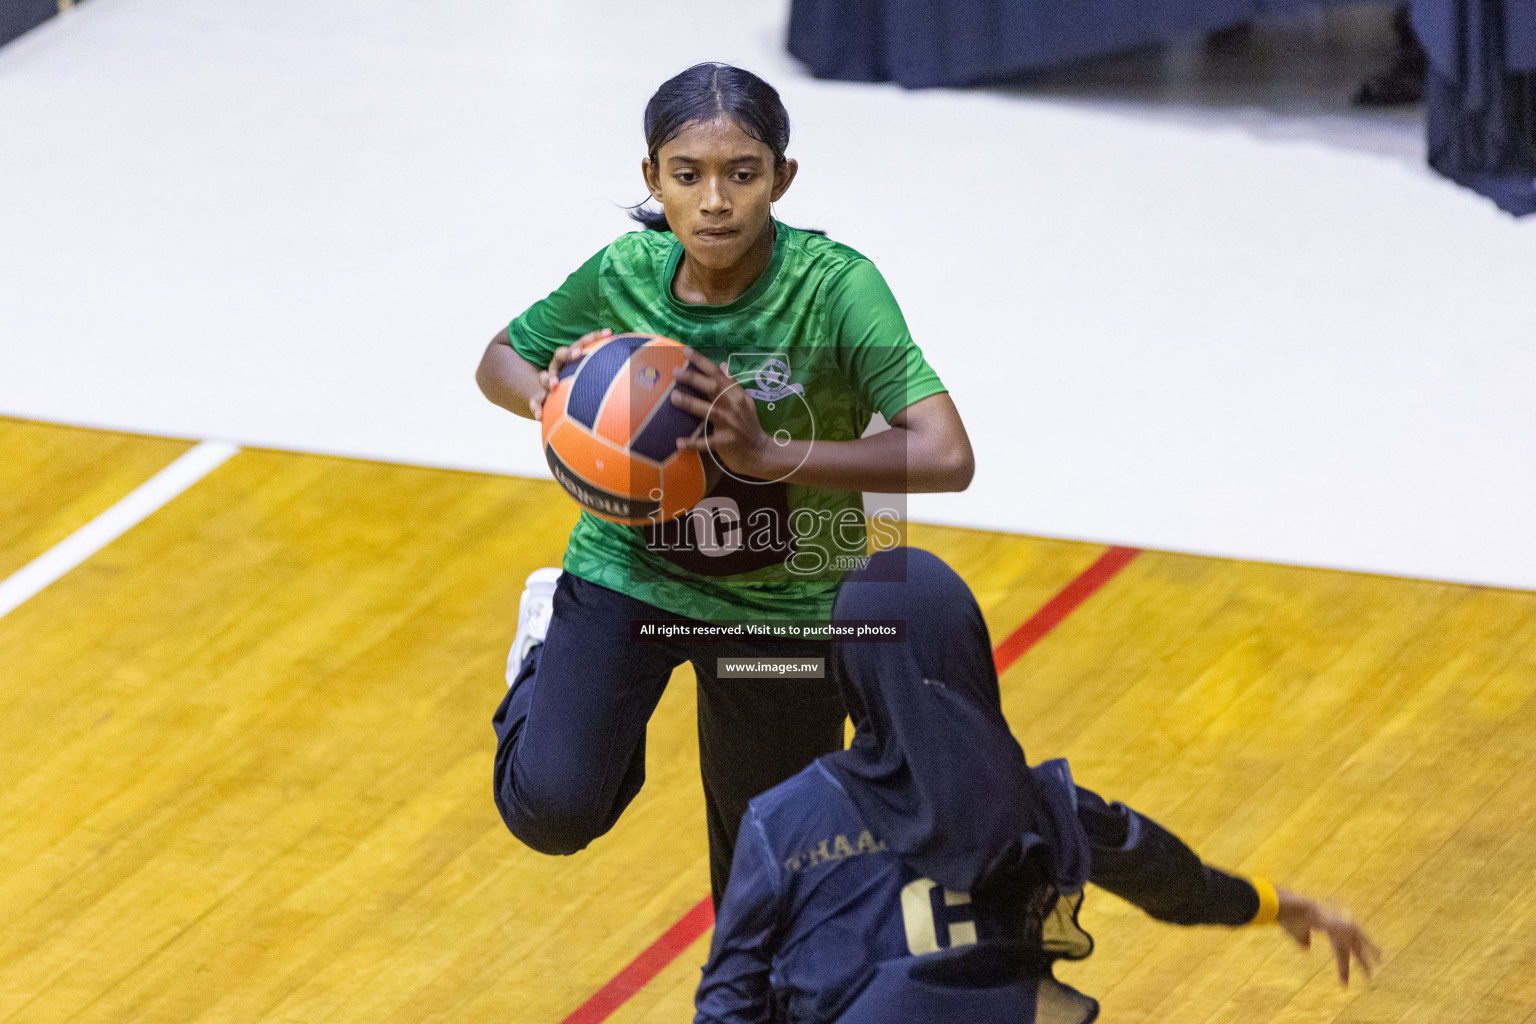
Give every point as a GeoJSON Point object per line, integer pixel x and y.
{"type": "Point", "coordinates": [933, 767]}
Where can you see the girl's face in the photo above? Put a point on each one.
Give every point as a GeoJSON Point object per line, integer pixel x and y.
{"type": "Point", "coordinates": [715, 183]}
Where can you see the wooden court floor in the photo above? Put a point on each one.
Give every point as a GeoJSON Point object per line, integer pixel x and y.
{"type": "Point", "coordinates": [245, 768]}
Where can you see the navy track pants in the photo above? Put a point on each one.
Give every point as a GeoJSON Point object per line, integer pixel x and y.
{"type": "Point", "coordinates": [570, 734]}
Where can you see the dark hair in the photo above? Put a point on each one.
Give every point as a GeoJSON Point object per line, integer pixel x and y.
{"type": "Point", "coordinates": [703, 93]}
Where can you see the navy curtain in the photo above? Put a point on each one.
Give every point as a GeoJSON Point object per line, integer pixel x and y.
{"type": "Point", "coordinates": [921, 43]}
{"type": "Point", "coordinates": [17, 16]}
{"type": "Point", "coordinates": [1481, 96]}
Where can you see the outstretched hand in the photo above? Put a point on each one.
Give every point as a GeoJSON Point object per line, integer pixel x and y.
{"type": "Point", "coordinates": [1300, 917]}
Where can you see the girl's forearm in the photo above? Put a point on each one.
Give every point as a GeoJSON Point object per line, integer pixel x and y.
{"type": "Point", "coordinates": [508, 379]}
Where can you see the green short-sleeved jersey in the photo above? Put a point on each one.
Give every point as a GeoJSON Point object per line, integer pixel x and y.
{"type": "Point", "coordinates": [818, 341]}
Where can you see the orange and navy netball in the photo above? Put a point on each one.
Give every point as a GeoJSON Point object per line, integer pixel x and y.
{"type": "Point", "coordinates": [610, 432]}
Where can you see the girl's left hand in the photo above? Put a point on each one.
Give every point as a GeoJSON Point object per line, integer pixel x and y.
{"type": "Point", "coordinates": [731, 428]}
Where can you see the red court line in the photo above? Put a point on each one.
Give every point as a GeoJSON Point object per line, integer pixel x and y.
{"type": "Point", "coordinates": [697, 921]}
{"type": "Point", "coordinates": [1063, 604]}
{"type": "Point", "coordinates": [646, 966]}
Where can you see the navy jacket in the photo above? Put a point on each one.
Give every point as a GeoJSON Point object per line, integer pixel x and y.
{"type": "Point", "coordinates": [822, 923]}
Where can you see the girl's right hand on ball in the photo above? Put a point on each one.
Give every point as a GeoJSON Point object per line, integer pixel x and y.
{"type": "Point", "coordinates": [564, 354]}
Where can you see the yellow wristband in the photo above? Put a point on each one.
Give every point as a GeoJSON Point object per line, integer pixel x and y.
{"type": "Point", "coordinates": [1269, 901]}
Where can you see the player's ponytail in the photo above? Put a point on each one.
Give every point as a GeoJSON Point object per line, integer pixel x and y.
{"type": "Point", "coordinates": [651, 220]}
{"type": "Point", "coordinates": [703, 93]}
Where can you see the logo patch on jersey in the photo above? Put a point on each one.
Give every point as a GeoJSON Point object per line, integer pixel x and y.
{"type": "Point", "coordinates": [648, 376]}
{"type": "Point", "coordinates": [771, 378]}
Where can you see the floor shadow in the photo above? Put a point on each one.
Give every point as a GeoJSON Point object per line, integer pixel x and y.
{"type": "Point", "coordinates": [1287, 76]}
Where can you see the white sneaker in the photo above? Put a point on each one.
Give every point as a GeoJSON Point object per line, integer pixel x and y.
{"type": "Point", "coordinates": [533, 613]}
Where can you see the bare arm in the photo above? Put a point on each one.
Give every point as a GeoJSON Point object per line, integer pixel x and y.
{"type": "Point", "coordinates": [926, 448]}
{"type": "Point", "coordinates": [514, 383]}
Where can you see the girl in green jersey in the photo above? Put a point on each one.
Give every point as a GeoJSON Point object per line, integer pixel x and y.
{"type": "Point", "coordinates": [795, 343]}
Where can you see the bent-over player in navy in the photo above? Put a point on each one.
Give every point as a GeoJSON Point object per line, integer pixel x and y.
{"type": "Point", "coordinates": [927, 874]}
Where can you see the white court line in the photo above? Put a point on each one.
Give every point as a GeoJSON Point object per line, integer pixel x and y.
{"type": "Point", "coordinates": [133, 509]}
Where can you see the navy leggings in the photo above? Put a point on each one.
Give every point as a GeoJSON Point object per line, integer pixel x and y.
{"type": "Point", "coordinates": [570, 734]}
